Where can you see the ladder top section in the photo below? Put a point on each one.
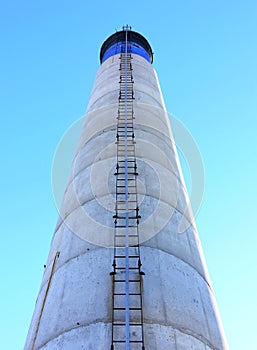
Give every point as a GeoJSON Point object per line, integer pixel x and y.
{"type": "Point", "coordinates": [116, 44]}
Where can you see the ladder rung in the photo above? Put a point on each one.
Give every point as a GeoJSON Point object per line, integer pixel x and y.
{"type": "Point", "coordinates": [130, 147]}
{"type": "Point", "coordinates": [123, 164]}
{"type": "Point", "coordinates": [130, 153]}
{"type": "Point", "coordinates": [128, 173]}
{"type": "Point", "coordinates": [122, 226]}
{"type": "Point", "coordinates": [129, 134]}
{"type": "Point", "coordinates": [129, 137]}
{"type": "Point", "coordinates": [130, 308]}
{"type": "Point", "coordinates": [125, 121]}
{"type": "Point", "coordinates": [125, 236]}
{"type": "Point", "coordinates": [124, 217]}
{"type": "Point", "coordinates": [122, 179]}
{"type": "Point", "coordinates": [124, 324]}
{"type": "Point", "coordinates": [124, 193]}
{"type": "Point", "coordinates": [128, 161]}
{"type": "Point", "coordinates": [122, 117]}
{"type": "Point", "coordinates": [122, 281]}
{"type": "Point", "coordinates": [121, 160]}
{"type": "Point", "coordinates": [124, 341]}
{"type": "Point", "coordinates": [121, 129]}
{"type": "Point", "coordinates": [135, 226]}
{"type": "Point", "coordinates": [123, 257]}
{"type": "Point", "coordinates": [123, 186]}
{"type": "Point", "coordinates": [124, 268]}
{"type": "Point", "coordinates": [125, 210]}
{"type": "Point", "coordinates": [122, 138]}
{"type": "Point", "coordinates": [123, 294]}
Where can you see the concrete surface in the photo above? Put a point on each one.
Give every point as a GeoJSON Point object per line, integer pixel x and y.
{"type": "Point", "coordinates": [73, 308]}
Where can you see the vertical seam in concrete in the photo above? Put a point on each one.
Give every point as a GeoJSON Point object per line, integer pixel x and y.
{"type": "Point", "coordinates": [44, 300]}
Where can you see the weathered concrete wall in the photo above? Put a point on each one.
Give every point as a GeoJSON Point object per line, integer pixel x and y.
{"type": "Point", "coordinates": [73, 309]}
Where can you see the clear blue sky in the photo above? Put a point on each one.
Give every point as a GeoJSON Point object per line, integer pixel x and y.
{"type": "Point", "coordinates": [206, 59]}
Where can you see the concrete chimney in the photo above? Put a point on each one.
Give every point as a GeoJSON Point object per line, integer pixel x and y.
{"type": "Point", "coordinates": [125, 268]}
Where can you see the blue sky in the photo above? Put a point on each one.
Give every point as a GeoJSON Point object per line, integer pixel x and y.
{"type": "Point", "coordinates": [205, 55]}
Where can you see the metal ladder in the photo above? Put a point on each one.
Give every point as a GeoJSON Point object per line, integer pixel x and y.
{"type": "Point", "coordinates": [127, 312]}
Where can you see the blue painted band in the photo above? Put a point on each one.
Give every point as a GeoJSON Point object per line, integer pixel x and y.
{"type": "Point", "coordinates": [120, 47]}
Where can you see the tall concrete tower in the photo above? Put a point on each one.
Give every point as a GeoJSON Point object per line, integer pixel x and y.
{"type": "Point", "coordinates": [125, 268]}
